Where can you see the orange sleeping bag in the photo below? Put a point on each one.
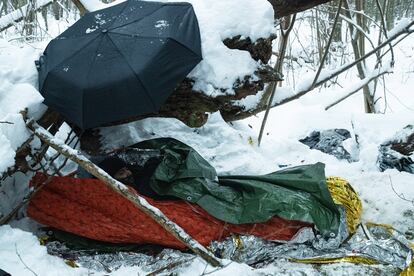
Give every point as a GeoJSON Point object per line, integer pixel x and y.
{"type": "Point", "coordinates": [88, 208]}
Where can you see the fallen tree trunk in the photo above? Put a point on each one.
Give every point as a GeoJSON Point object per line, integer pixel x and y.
{"type": "Point", "coordinates": [123, 190]}
{"type": "Point", "coordinates": [281, 8]}
{"type": "Point", "coordinates": [287, 7]}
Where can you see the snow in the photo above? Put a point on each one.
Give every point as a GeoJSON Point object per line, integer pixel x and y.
{"type": "Point", "coordinates": [220, 19]}
{"type": "Point", "coordinates": [18, 90]}
{"type": "Point", "coordinates": [19, 13]}
{"type": "Point", "coordinates": [400, 26]}
{"type": "Point", "coordinates": [21, 251]}
{"type": "Point", "coordinates": [231, 147]}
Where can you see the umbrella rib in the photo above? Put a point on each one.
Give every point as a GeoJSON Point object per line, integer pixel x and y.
{"type": "Point", "coordinates": [137, 20]}
{"type": "Point", "coordinates": [185, 46]}
{"type": "Point", "coordinates": [141, 36]}
{"type": "Point", "coordinates": [94, 59]}
{"type": "Point", "coordinates": [123, 9]}
{"type": "Point", "coordinates": [133, 71]}
{"type": "Point", "coordinates": [75, 53]}
{"type": "Point", "coordinates": [88, 74]}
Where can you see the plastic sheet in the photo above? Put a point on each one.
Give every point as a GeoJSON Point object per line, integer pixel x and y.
{"type": "Point", "coordinates": [330, 142]}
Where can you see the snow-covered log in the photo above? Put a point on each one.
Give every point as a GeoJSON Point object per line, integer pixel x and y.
{"type": "Point", "coordinates": [281, 7]}
{"type": "Point", "coordinates": [287, 7]}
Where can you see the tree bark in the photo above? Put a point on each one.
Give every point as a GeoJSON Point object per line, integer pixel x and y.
{"type": "Point", "coordinates": [287, 7]}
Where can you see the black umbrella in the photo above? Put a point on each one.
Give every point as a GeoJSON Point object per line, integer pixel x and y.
{"type": "Point", "coordinates": [119, 62]}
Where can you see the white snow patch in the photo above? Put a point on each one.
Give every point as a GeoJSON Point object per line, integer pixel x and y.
{"type": "Point", "coordinates": [400, 25]}
{"type": "Point", "coordinates": [17, 92]}
{"type": "Point", "coordinates": [162, 24]}
{"type": "Point", "coordinates": [15, 243]}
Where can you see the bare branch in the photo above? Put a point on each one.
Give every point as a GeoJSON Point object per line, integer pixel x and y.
{"type": "Point", "coordinates": [20, 258]}
{"type": "Point", "coordinates": [355, 90]}
{"type": "Point", "coordinates": [384, 27]}
{"type": "Point", "coordinates": [325, 54]}
{"type": "Point", "coordinates": [278, 68]}
{"type": "Point", "coordinates": [359, 29]}
{"type": "Point", "coordinates": [400, 195]}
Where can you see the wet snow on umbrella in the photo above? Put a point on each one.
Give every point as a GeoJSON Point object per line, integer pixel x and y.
{"type": "Point", "coordinates": [119, 62]}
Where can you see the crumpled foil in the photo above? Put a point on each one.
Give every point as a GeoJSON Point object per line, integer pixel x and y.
{"type": "Point", "coordinates": [109, 262]}
{"type": "Point", "coordinates": [373, 245]}
{"type": "Point", "coordinates": [343, 194]}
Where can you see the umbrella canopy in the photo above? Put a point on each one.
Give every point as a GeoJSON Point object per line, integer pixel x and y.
{"type": "Point", "coordinates": [119, 62]}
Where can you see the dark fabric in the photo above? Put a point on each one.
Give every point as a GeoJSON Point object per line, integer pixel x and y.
{"type": "Point", "coordinates": [141, 164]}
{"type": "Point", "coordinates": [79, 243]}
{"type": "Point", "coordinates": [4, 273]}
{"type": "Point", "coordinates": [329, 141]}
{"type": "Point", "coordinates": [398, 153]}
{"type": "Point", "coordinates": [119, 62]}
{"type": "Point", "coordinates": [298, 193]}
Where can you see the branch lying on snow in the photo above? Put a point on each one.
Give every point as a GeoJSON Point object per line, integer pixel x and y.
{"type": "Point", "coordinates": [123, 190]}
{"type": "Point", "coordinates": [359, 86]}
{"type": "Point", "coordinates": [400, 195]}
{"type": "Point", "coordinates": [18, 15]}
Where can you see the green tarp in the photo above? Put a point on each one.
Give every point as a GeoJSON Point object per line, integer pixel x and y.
{"type": "Point", "coordinates": [298, 193]}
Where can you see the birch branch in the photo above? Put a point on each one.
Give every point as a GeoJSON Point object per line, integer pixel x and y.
{"type": "Point", "coordinates": [360, 86]}
{"type": "Point", "coordinates": [123, 190]}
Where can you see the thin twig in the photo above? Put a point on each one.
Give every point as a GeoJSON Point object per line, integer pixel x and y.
{"type": "Point", "coordinates": [384, 27]}
{"type": "Point", "coordinates": [170, 266]}
{"type": "Point", "coordinates": [400, 195]}
{"type": "Point", "coordinates": [217, 269]}
{"type": "Point", "coordinates": [325, 54]}
{"type": "Point", "coordinates": [367, 81]}
{"type": "Point", "coordinates": [25, 200]}
{"type": "Point", "coordinates": [359, 29]}
{"type": "Point", "coordinates": [278, 69]}
{"type": "Point", "coordinates": [25, 265]}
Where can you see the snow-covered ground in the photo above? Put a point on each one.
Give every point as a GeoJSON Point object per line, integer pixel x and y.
{"type": "Point", "coordinates": [228, 147]}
